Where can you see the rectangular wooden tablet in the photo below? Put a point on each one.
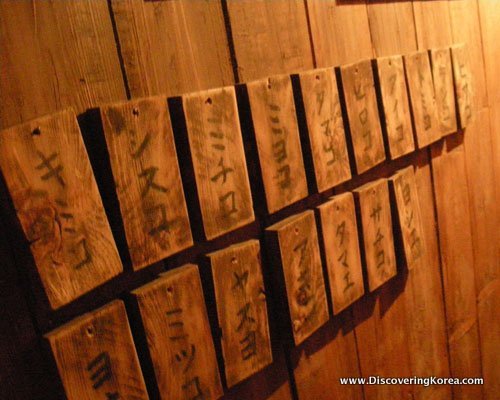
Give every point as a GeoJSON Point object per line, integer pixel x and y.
{"type": "Point", "coordinates": [464, 90]}
{"type": "Point", "coordinates": [50, 180]}
{"type": "Point", "coordinates": [147, 179]}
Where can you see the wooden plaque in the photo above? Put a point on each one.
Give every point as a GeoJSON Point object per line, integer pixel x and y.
{"type": "Point", "coordinates": [463, 83]}
{"type": "Point", "coordinates": [49, 177]}
{"type": "Point", "coordinates": [443, 86]}
{"type": "Point", "coordinates": [214, 133]}
{"type": "Point", "coordinates": [410, 221]}
{"type": "Point", "coordinates": [396, 105]}
{"type": "Point", "coordinates": [96, 356]}
{"type": "Point", "coordinates": [375, 211]}
{"type": "Point", "coordinates": [180, 343]}
{"type": "Point", "coordinates": [362, 112]}
{"type": "Point", "coordinates": [341, 245]}
{"type": "Point", "coordinates": [242, 310]}
{"type": "Point", "coordinates": [325, 127]}
{"type": "Point", "coordinates": [296, 240]}
{"type": "Point", "coordinates": [278, 141]}
{"type": "Point", "coordinates": [147, 179]}
{"type": "Point", "coordinates": [423, 100]}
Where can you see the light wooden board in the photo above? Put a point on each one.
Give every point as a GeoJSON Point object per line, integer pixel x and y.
{"type": "Point", "coordinates": [422, 98]}
{"type": "Point", "coordinates": [410, 221]}
{"type": "Point", "coordinates": [172, 47]}
{"type": "Point", "coordinates": [52, 186]}
{"type": "Point", "coordinates": [55, 63]}
{"type": "Point", "coordinates": [325, 127]}
{"type": "Point", "coordinates": [374, 208]}
{"type": "Point", "coordinates": [264, 42]}
{"type": "Point", "coordinates": [242, 310]}
{"type": "Point", "coordinates": [278, 141]}
{"type": "Point", "coordinates": [442, 74]}
{"type": "Point", "coordinates": [464, 90]}
{"type": "Point", "coordinates": [96, 357]}
{"type": "Point", "coordinates": [175, 321]}
{"type": "Point", "coordinates": [147, 179]}
{"type": "Point", "coordinates": [362, 112]}
{"type": "Point", "coordinates": [341, 246]}
{"type": "Point", "coordinates": [296, 239]}
{"type": "Point", "coordinates": [213, 129]}
{"type": "Point", "coordinates": [396, 106]}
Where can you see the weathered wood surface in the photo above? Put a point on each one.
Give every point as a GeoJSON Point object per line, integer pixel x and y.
{"type": "Point", "coordinates": [364, 123]}
{"type": "Point", "coordinates": [216, 144]}
{"type": "Point", "coordinates": [296, 241]}
{"type": "Point", "coordinates": [463, 84]}
{"type": "Point", "coordinates": [325, 127]}
{"type": "Point", "coordinates": [278, 141]}
{"type": "Point", "coordinates": [52, 186]}
{"type": "Point", "coordinates": [96, 357]}
{"type": "Point", "coordinates": [396, 105]}
{"type": "Point", "coordinates": [339, 230]}
{"type": "Point", "coordinates": [242, 310]}
{"type": "Point", "coordinates": [147, 179]}
{"type": "Point", "coordinates": [175, 321]}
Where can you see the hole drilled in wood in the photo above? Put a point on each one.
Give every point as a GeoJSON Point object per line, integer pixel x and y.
{"type": "Point", "coordinates": [234, 260]}
{"type": "Point", "coordinates": [208, 100]}
{"type": "Point", "coordinates": [37, 131]}
{"type": "Point", "coordinates": [135, 111]}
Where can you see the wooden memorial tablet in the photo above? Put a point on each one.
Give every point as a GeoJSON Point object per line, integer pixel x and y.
{"type": "Point", "coordinates": [463, 83]}
{"type": "Point", "coordinates": [278, 141]}
{"type": "Point", "coordinates": [294, 244]}
{"type": "Point", "coordinates": [96, 356]}
{"type": "Point", "coordinates": [147, 178]}
{"type": "Point", "coordinates": [362, 112]}
{"type": "Point", "coordinates": [242, 310]}
{"type": "Point", "coordinates": [216, 144]}
{"type": "Point", "coordinates": [396, 106]}
{"type": "Point", "coordinates": [325, 127]}
{"type": "Point", "coordinates": [375, 210]}
{"type": "Point", "coordinates": [49, 177]}
{"type": "Point", "coordinates": [341, 245]}
{"type": "Point", "coordinates": [180, 343]}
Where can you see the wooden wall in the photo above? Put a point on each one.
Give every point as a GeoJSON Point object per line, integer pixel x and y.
{"type": "Point", "coordinates": [441, 319]}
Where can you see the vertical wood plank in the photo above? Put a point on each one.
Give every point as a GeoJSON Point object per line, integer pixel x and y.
{"type": "Point", "coordinates": [464, 90]}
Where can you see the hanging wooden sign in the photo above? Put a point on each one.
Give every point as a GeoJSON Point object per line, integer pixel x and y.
{"type": "Point", "coordinates": [278, 141]}
{"type": "Point", "coordinates": [375, 210]}
{"type": "Point", "coordinates": [96, 356]}
{"type": "Point", "coordinates": [340, 242]}
{"type": "Point", "coordinates": [242, 310]}
{"type": "Point", "coordinates": [180, 343]}
{"type": "Point", "coordinates": [396, 106]}
{"type": "Point", "coordinates": [325, 127]}
{"type": "Point", "coordinates": [423, 100]}
{"type": "Point", "coordinates": [404, 186]}
{"type": "Point", "coordinates": [295, 241]}
{"type": "Point", "coordinates": [147, 179]}
{"type": "Point", "coordinates": [213, 129]}
{"type": "Point", "coordinates": [49, 177]}
{"type": "Point", "coordinates": [443, 85]}
{"type": "Point", "coordinates": [362, 112]}
{"type": "Point", "coordinates": [463, 83]}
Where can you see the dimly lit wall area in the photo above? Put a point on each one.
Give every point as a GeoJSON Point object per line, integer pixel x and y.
{"type": "Point", "coordinates": [249, 199]}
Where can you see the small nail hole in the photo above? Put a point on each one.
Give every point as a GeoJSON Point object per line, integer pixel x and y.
{"type": "Point", "coordinates": [90, 331]}
{"type": "Point", "coordinates": [208, 100]}
{"type": "Point", "coordinates": [317, 77]}
{"type": "Point", "coordinates": [37, 131]}
{"type": "Point", "coordinates": [135, 111]}
{"type": "Point", "coordinates": [269, 83]}
{"type": "Point", "coordinates": [296, 231]}
{"type": "Point", "coordinates": [170, 290]}
{"type": "Point", "coordinates": [234, 260]}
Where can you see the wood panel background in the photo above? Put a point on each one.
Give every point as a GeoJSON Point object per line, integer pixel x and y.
{"type": "Point", "coordinates": [441, 319]}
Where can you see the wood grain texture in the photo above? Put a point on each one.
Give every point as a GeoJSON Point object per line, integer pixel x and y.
{"type": "Point", "coordinates": [172, 47]}
{"type": "Point", "coordinates": [96, 356]}
{"type": "Point", "coordinates": [55, 63]}
{"type": "Point", "coordinates": [396, 106]}
{"type": "Point", "coordinates": [242, 310]}
{"type": "Point", "coordinates": [52, 186]}
{"type": "Point", "coordinates": [341, 247]}
{"type": "Point", "coordinates": [325, 127]}
{"type": "Point", "coordinates": [422, 98]}
{"type": "Point", "coordinates": [362, 112]}
{"type": "Point", "coordinates": [175, 320]}
{"type": "Point", "coordinates": [296, 238]}
{"type": "Point", "coordinates": [464, 90]}
{"type": "Point", "coordinates": [264, 44]}
{"type": "Point", "coordinates": [374, 208]}
{"type": "Point", "coordinates": [278, 142]}
{"type": "Point", "coordinates": [216, 144]}
{"type": "Point", "coordinates": [147, 179]}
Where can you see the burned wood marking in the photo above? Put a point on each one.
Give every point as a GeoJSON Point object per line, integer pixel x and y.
{"type": "Point", "coordinates": [463, 83]}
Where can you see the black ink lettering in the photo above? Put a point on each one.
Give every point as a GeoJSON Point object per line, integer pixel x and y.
{"type": "Point", "coordinates": [286, 181]}
{"type": "Point", "coordinates": [379, 238]}
{"type": "Point", "coordinates": [195, 382]}
{"type": "Point", "coordinates": [231, 196]}
{"type": "Point", "coordinates": [280, 153]}
{"type": "Point", "coordinates": [101, 367]}
{"type": "Point", "coordinates": [187, 356]}
{"type": "Point", "coordinates": [320, 98]}
{"type": "Point", "coordinates": [176, 325]}
{"type": "Point", "coordinates": [249, 343]}
{"type": "Point", "coordinates": [343, 259]}
{"type": "Point", "coordinates": [52, 172]}
{"type": "Point", "coordinates": [87, 257]}
{"type": "Point", "coordinates": [224, 171]}
{"type": "Point", "coordinates": [163, 225]}
{"type": "Point", "coordinates": [243, 313]}
{"type": "Point", "coordinates": [241, 280]}
{"type": "Point", "coordinates": [376, 213]}
{"type": "Point", "coordinates": [341, 232]}
{"type": "Point", "coordinates": [359, 91]}
{"type": "Point", "coordinates": [149, 175]}
{"type": "Point", "coordinates": [142, 146]}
